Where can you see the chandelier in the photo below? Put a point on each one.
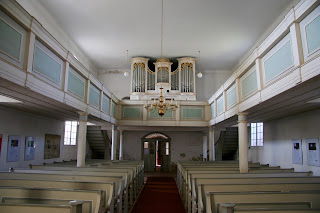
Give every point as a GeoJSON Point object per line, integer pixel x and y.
{"type": "Point", "coordinates": [161, 105]}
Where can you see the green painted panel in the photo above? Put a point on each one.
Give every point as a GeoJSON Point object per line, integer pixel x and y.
{"type": "Point", "coordinates": [213, 108]}
{"type": "Point", "coordinates": [278, 62]}
{"type": "Point", "coordinates": [313, 35]}
{"type": "Point", "coordinates": [105, 104]}
{"type": "Point", "coordinates": [10, 40]}
{"type": "Point", "coordinates": [167, 114]}
{"type": "Point", "coordinates": [220, 105]}
{"type": "Point", "coordinates": [113, 109]}
{"type": "Point", "coordinates": [47, 66]}
{"type": "Point", "coordinates": [192, 113]}
{"type": "Point", "coordinates": [231, 97]}
{"type": "Point", "coordinates": [76, 84]}
{"type": "Point", "coordinates": [94, 96]}
{"type": "Point", "coordinates": [132, 112]}
{"type": "Point", "coordinates": [249, 84]}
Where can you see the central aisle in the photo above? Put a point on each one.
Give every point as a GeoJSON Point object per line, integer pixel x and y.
{"type": "Point", "coordinates": [160, 194]}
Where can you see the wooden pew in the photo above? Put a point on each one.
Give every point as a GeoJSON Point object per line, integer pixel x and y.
{"type": "Point", "coordinates": [191, 185]}
{"type": "Point", "coordinates": [214, 199]}
{"type": "Point", "coordinates": [118, 180]}
{"type": "Point", "coordinates": [107, 189]}
{"type": "Point", "coordinates": [275, 187]}
{"type": "Point", "coordinates": [91, 198]}
{"type": "Point", "coordinates": [73, 207]}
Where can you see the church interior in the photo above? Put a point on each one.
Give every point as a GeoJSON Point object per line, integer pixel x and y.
{"type": "Point", "coordinates": [159, 106]}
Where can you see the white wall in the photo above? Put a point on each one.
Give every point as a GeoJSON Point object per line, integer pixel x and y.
{"type": "Point", "coordinates": [210, 82]}
{"type": "Point", "coordinates": [14, 122]}
{"type": "Point", "coordinates": [278, 135]}
{"type": "Point", "coordinates": [189, 143]}
{"type": "Point", "coordinates": [117, 83]}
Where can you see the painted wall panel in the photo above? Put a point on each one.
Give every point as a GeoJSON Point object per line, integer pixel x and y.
{"type": "Point", "coordinates": [10, 40]}
{"type": "Point", "coordinates": [132, 112]}
{"type": "Point", "coordinates": [94, 96]}
{"type": "Point", "coordinates": [106, 104]}
{"type": "Point", "coordinates": [192, 113]}
{"type": "Point", "coordinates": [231, 97]}
{"type": "Point", "coordinates": [313, 35]}
{"type": "Point", "coordinates": [278, 62]}
{"type": "Point", "coordinates": [76, 83]}
{"type": "Point", "coordinates": [220, 105]}
{"type": "Point", "coordinates": [46, 65]}
{"type": "Point", "coordinates": [213, 108]}
{"type": "Point", "coordinates": [168, 114]}
{"type": "Point", "coordinates": [113, 109]}
{"type": "Point", "coordinates": [249, 84]}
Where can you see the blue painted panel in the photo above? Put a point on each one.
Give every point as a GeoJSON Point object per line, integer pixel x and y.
{"type": "Point", "coordinates": [231, 97]}
{"type": "Point", "coordinates": [213, 108]}
{"type": "Point", "coordinates": [46, 65]}
{"type": "Point", "coordinates": [278, 62]}
{"type": "Point", "coordinates": [76, 84]}
{"type": "Point", "coordinates": [10, 40]}
{"type": "Point", "coordinates": [249, 84]}
{"type": "Point", "coordinates": [192, 113]}
{"type": "Point", "coordinates": [105, 104]}
{"type": "Point", "coordinates": [132, 112]}
{"type": "Point", "coordinates": [313, 35]}
{"type": "Point", "coordinates": [220, 105]}
{"type": "Point", "coordinates": [113, 109]}
{"type": "Point", "coordinates": [94, 96]}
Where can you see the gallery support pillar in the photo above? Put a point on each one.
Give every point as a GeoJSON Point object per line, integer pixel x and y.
{"type": "Point", "coordinates": [114, 143]}
{"type": "Point", "coordinates": [121, 145]}
{"type": "Point", "coordinates": [211, 144]}
{"type": "Point", "coordinates": [205, 147]}
{"type": "Point", "coordinates": [243, 142]}
{"type": "Point", "coordinates": [82, 139]}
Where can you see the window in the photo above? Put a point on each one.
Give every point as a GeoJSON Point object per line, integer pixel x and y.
{"type": "Point", "coordinates": [256, 134]}
{"type": "Point", "coordinates": [167, 148]}
{"type": "Point", "coordinates": [70, 132]}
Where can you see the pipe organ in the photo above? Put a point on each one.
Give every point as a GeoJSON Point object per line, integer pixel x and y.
{"type": "Point", "coordinates": [177, 84]}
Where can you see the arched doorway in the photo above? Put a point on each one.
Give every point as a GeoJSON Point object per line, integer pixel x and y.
{"type": "Point", "coordinates": [156, 152]}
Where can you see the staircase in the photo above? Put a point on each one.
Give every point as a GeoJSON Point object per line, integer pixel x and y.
{"type": "Point", "coordinates": [99, 142]}
{"type": "Point", "coordinates": [227, 144]}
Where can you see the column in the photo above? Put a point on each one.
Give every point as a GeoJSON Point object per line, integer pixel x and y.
{"type": "Point", "coordinates": [121, 146]}
{"type": "Point", "coordinates": [243, 142]}
{"type": "Point", "coordinates": [211, 144]}
{"type": "Point", "coordinates": [114, 143]}
{"type": "Point", "coordinates": [205, 146]}
{"type": "Point", "coordinates": [82, 139]}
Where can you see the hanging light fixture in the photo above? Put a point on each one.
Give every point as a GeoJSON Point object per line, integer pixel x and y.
{"type": "Point", "coordinates": [199, 75]}
{"type": "Point", "coordinates": [126, 73]}
{"type": "Point", "coordinates": [161, 105]}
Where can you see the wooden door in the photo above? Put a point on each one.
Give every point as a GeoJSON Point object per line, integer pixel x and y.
{"type": "Point", "coordinates": [164, 150]}
{"type": "Point", "coordinates": [149, 155]}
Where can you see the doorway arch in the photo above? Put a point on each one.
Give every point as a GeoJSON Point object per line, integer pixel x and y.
{"type": "Point", "coordinates": [156, 152]}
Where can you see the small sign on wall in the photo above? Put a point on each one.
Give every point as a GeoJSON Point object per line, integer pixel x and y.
{"type": "Point", "coordinates": [297, 151]}
{"type": "Point", "coordinates": [313, 151]}
{"type": "Point", "coordinates": [29, 148]}
{"type": "Point", "coordinates": [13, 148]}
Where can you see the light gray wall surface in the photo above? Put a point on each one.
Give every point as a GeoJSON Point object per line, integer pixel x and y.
{"type": "Point", "coordinates": [117, 83]}
{"type": "Point", "coordinates": [278, 135]}
{"type": "Point", "coordinates": [14, 122]}
{"type": "Point", "coordinates": [189, 143]}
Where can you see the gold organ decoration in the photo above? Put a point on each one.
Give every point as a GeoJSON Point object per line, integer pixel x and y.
{"type": "Point", "coordinates": [190, 65]}
{"type": "Point", "coordinates": [138, 64]}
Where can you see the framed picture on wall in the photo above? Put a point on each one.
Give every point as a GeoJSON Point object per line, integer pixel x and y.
{"type": "Point", "coordinates": [52, 146]}
{"type": "Point", "coordinates": [13, 148]}
{"type": "Point", "coordinates": [30, 147]}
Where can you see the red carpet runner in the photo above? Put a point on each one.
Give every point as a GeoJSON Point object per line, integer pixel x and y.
{"type": "Point", "coordinates": [160, 194]}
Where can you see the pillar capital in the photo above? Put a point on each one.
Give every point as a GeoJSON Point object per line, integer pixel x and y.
{"type": "Point", "coordinates": [242, 117]}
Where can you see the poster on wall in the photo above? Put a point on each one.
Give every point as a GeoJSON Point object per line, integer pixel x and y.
{"type": "Point", "coordinates": [313, 151]}
{"type": "Point", "coordinates": [297, 151]}
{"type": "Point", "coordinates": [52, 146]}
{"type": "Point", "coordinates": [13, 148]}
{"type": "Point", "coordinates": [29, 148]}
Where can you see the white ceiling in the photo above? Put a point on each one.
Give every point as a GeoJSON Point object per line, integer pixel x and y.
{"type": "Point", "coordinates": [223, 30]}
